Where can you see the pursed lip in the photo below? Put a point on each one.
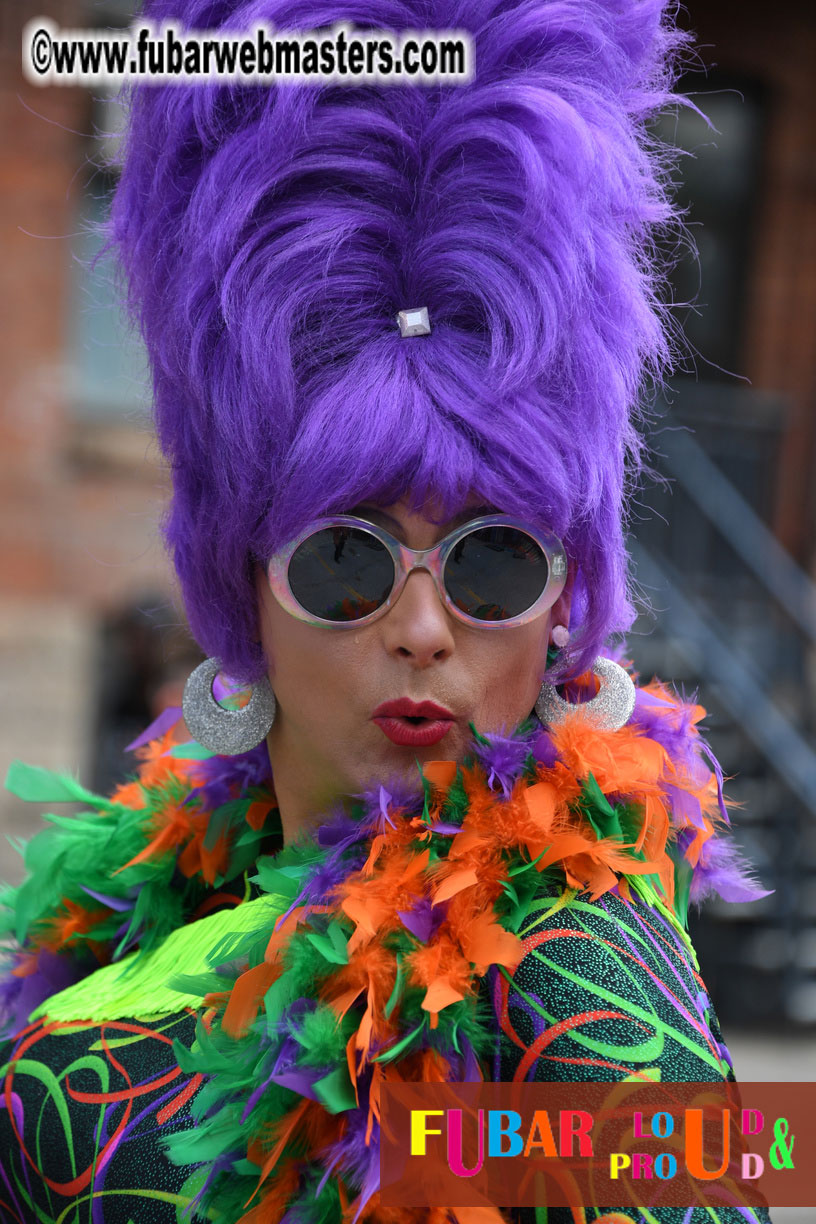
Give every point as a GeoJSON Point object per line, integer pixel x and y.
{"type": "Point", "coordinates": [394, 718]}
{"type": "Point", "coordinates": [404, 707]}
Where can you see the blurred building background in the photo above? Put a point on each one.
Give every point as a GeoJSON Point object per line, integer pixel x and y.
{"type": "Point", "coordinates": [92, 641]}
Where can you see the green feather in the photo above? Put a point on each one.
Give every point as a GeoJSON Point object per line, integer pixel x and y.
{"type": "Point", "coordinates": [594, 805]}
{"type": "Point", "coordinates": [477, 735]}
{"type": "Point", "coordinates": [393, 1051]}
{"type": "Point", "coordinates": [190, 752]}
{"type": "Point", "coordinates": [322, 1037]}
{"type": "Point", "coordinates": [138, 985]}
{"type": "Point", "coordinates": [521, 894]}
{"type": "Point", "coordinates": [335, 1090]}
{"type": "Point", "coordinates": [683, 875]}
{"type": "Point", "coordinates": [37, 785]}
{"type": "Point", "coordinates": [396, 992]}
{"type": "Point", "coordinates": [327, 949]}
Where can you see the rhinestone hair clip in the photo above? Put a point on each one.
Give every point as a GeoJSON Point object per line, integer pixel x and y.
{"type": "Point", "coordinates": [414, 322]}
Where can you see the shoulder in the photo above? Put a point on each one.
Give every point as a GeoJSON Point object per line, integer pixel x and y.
{"type": "Point", "coordinates": [606, 989]}
{"type": "Point", "coordinates": [169, 979]}
{"type": "Point", "coordinates": [107, 887]}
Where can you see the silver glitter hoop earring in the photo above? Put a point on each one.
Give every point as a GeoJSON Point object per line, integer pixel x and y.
{"type": "Point", "coordinates": [226, 732]}
{"type": "Point", "coordinates": [609, 710]}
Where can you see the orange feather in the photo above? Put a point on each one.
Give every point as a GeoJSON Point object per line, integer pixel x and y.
{"type": "Point", "coordinates": [440, 774]}
{"type": "Point", "coordinates": [245, 998]}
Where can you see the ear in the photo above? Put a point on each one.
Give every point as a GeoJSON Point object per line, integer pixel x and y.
{"type": "Point", "coordinates": [559, 614]}
{"type": "Point", "coordinates": [560, 611]}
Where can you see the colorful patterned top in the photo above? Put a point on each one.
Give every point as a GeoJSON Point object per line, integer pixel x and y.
{"type": "Point", "coordinates": [200, 1020]}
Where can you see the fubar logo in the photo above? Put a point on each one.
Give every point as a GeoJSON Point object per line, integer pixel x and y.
{"type": "Point", "coordinates": [617, 1145]}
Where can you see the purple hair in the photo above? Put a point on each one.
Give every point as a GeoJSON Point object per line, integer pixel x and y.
{"type": "Point", "coordinates": [269, 235]}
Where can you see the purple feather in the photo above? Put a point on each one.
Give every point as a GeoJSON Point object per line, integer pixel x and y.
{"type": "Point", "coordinates": [424, 919]}
{"type": "Point", "coordinates": [543, 748]}
{"type": "Point", "coordinates": [371, 1182]}
{"type": "Point", "coordinates": [167, 719]}
{"type": "Point", "coordinates": [722, 869]}
{"type": "Point", "coordinates": [471, 1072]}
{"type": "Point", "coordinates": [19, 996]}
{"type": "Point", "coordinates": [503, 757]}
{"type": "Point", "coordinates": [225, 777]}
{"type": "Point", "coordinates": [343, 829]}
{"type": "Point", "coordinates": [380, 801]}
{"type": "Point", "coordinates": [286, 1070]}
{"type": "Point", "coordinates": [447, 830]}
{"type": "Point", "coordinates": [120, 904]}
{"type": "Point", "coordinates": [673, 727]}
{"type": "Point", "coordinates": [351, 1155]}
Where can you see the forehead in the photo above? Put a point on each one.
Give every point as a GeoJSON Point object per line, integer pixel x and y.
{"type": "Point", "coordinates": [401, 514]}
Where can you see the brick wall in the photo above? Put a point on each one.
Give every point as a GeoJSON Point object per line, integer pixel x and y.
{"type": "Point", "coordinates": [79, 503]}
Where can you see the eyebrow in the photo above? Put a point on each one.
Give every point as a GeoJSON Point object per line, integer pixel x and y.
{"type": "Point", "coordinates": [374, 513]}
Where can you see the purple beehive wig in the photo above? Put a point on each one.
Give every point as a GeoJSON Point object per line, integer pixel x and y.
{"type": "Point", "coordinates": [269, 235]}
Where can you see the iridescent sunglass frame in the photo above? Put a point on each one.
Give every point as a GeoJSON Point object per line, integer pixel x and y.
{"type": "Point", "coordinates": [433, 560]}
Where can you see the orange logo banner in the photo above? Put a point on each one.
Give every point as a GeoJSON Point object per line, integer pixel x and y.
{"type": "Point", "coordinates": [614, 1147]}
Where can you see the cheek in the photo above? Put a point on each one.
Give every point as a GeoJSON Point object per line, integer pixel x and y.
{"type": "Point", "coordinates": [298, 658]}
{"type": "Point", "coordinates": [523, 652]}
{"type": "Point", "coordinates": [312, 671]}
{"type": "Point", "coordinates": [509, 673]}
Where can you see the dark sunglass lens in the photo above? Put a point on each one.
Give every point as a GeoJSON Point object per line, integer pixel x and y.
{"type": "Point", "coordinates": [341, 573]}
{"type": "Point", "coordinates": [496, 573]}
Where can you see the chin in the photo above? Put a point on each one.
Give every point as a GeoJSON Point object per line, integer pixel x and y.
{"type": "Point", "coordinates": [397, 775]}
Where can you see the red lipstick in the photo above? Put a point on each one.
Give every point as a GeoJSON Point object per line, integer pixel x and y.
{"type": "Point", "coordinates": [413, 724]}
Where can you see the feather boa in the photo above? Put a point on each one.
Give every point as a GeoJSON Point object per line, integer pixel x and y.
{"type": "Point", "coordinates": [397, 907]}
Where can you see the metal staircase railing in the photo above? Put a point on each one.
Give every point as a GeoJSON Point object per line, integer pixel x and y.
{"type": "Point", "coordinates": [733, 679]}
{"type": "Point", "coordinates": [754, 668]}
{"type": "Point", "coordinates": [725, 507]}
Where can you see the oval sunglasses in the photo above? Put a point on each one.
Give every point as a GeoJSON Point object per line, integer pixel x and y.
{"type": "Point", "coordinates": [491, 572]}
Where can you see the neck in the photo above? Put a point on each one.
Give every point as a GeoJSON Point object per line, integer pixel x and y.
{"type": "Point", "coordinates": [302, 796]}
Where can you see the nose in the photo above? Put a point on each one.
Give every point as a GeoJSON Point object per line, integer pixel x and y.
{"type": "Point", "coordinates": [418, 626]}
